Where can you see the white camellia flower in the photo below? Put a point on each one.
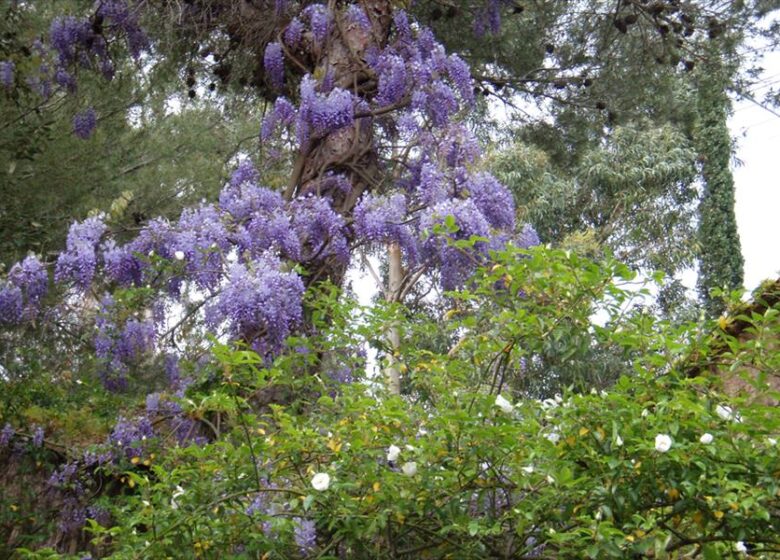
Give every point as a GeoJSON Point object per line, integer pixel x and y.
{"type": "Point", "coordinates": [663, 443]}
{"type": "Point", "coordinates": [504, 404]}
{"type": "Point", "coordinates": [410, 468]}
{"type": "Point", "coordinates": [740, 547]}
{"type": "Point", "coordinates": [706, 438]}
{"type": "Point", "coordinates": [178, 492]}
{"type": "Point", "coordinates": [393, 452]}
{"type": "Point", "coordinates": [727, 413]}
{"type": "Point", "coordinates": [179, 255]}
{"type": "Point", "coordinates": [320, 481]}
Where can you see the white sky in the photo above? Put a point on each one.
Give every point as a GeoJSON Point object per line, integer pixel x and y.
{"type": "Point", "coordinates": [758, 197]}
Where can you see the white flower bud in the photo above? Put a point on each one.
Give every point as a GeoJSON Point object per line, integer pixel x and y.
{"type": "Point", "coordinates": [706, 438]}
{"type": "Point", "coordinates": [410, 468]}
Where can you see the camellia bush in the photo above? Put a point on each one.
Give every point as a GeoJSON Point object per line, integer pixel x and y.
{"type": "Point", "coordinates": [466, 465]}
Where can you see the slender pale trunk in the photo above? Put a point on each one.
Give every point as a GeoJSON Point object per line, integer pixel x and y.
{"type": "Point", "coordinates": [395, 277]}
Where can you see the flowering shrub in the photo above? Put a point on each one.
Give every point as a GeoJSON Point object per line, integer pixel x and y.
{"type": "Point", "coordinates": [469, 465]}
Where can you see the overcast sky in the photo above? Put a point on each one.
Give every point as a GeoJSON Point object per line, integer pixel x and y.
{"type": "Point", "coordinates": [757, 179]}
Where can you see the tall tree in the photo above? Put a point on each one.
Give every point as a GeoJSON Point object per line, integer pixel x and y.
{"type": "Point", "coordinates": [720, 261]}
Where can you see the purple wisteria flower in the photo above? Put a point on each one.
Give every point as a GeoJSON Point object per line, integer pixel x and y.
{"type": "Point", "coordinates": [293, 33]}
{"type": "Point", "coordinates": [319, 17]}
{"type": "Point", "coordinates": [283, 114]}
{"type": "Point", "coordinates": [259, 300]}
{"type": "Point", "coordinates": [202, 240]}
{"type": "Point", "coordinates": [66, 34]}
{"type": "Point", "coordinates": [305, 535]}
{"type": "Point", "coordinates": [246, 172]}
{"type": "Point", "coordinates": [381, 218]}
{"type": "Point", "coordinates": [392, 79]}
{"type": "Point", "coordinates": [84, 123]}
{"type": "Point", "coordinates": [11, 304]}
{"type": "Point", "coordinates": [132, 438]}
{"type": "Point", "coordinates": [6, 435]}
{"type": "Point", "coordinates": [273, 62]}
{"type": "Point", "coordinates": [77, 263]}
{"type": "Point", "coordinates": [460, 74]}
{"type": "Point", "coordinates": [357, 16]}
{"type": "Point", "coordinates": [37, 438]}
{"type": "Point", "coordinates": [493, 199]}
{"type": "Point", "coordinates": [31, 277]}
{"type": "Point", "coordinates": [455, 264]}
{"type": "Point", "coordinates": [318, 114]}
{"type": "Point", "coordinates": [527, 237]}
{"type": "Point", "coordinates": [7, 69]}
{"type": "Point", "coordinates": [320, 228]}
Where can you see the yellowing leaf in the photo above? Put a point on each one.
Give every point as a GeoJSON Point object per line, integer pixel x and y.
{"type": "Point", "coordinates": [718, 515]}
{"type": "Point", "coordinates": [377, 486]}
{"type": "Point", "coordinates": [584, 431]}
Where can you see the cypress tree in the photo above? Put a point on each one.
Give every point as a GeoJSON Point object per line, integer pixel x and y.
{"type": "Point", "coordinates": [721, 262]}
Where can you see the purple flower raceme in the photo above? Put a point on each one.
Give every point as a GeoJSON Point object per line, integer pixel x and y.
{"type": "Point", "coordinates": [392, 79]}
{"type": "Point", "coordinates": [7, 69]}
{"type": "Point", "coordinates": [203, 240]}
{"type": "Point", "coordinates": [84, 123]}
{"type": "Point", "coordinates": [283, 113]}
{"type": "Point", "coordinates": [77, 263]}
{"type": "Point", "coordinates": [273, 63]}
{"type": "Point", "coordinates": [527, 237]}
{"type": "Point", "coordinates": [455, 264]}
{"type": "Point", "coordinates": [320, 228]}
{"type": "Point", "coordinates": [67, 34]}
{"type": "Point", "coordinates": [293, 33]}
{"type": "Point", "coordinates": [460, 74]}
{"type": "Point", "coordinates": [37, 438]}
{"type": "Point", "coordinates": [305, 535]}
{"type": "Point", "coordinates": [493, 199]}
{"type": "Point", "coordinates": [319, 115]}
{"type": "Point", "coordinates": [357, 16]}
{"type": "Point", "coordinates": [11, 304]}
{"type": "Point", "coordinates": [6, 435]}
{"type": "Point", "coordinates": [246, 172]}
{"type": "Point", "coordinates": [381, 219]}
{"type": "Point", "coordinates": [319, 17]}
{"type": "Point", "coordinates": [259, 299]}
{"type": "Point", "coordinates": [132, 438]}
{"type": "Point", "coordinates": [31, 277]}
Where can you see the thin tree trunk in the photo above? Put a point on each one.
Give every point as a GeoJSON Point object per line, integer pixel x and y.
{"type": "Point", "coordinates": [395, 278]}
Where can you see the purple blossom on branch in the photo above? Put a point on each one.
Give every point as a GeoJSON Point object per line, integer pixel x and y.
{"type": "Point", "coordinates": [84, 123]}
{"type": "Point", "coordinates": [293, 33]}
{"type": "Point", "coordinates": [357, 16]}
{"type": "Point", "coordinates": [259, 299]}
{"type": "Point", "coordinates": [305, 535]}
{"type": "Point", "coordinates": [77, 263]}
{"type": "Point", "coordinates": [11, 305]}
{"type": "Point", "coordinates": [273, 62]}
{"type": "Point", "coordinates": [7, 68]}
{"type": "Point", "coordinates": [319, 21]}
